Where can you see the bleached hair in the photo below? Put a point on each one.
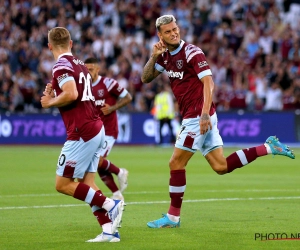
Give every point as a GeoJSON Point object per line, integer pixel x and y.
{"type": "Point", "coordinates": [166, 19]}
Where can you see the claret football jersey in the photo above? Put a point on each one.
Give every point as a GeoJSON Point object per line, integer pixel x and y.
{"type": "Point", "coordinates": [80, 117]}
{"type": "Point", "coordinates": [185, 67]}
{"type": "Point", "coordinates": [107, 91]}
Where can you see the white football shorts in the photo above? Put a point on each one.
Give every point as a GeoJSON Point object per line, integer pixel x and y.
{"type": "Point", "coordinates": [79, 157]}
{"type": "Point", "coordinates": [108, 144]}
{"type": "Point", "coordinates": [190, 139]}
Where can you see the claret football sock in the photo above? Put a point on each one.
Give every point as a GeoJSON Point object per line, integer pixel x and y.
{"type": "Point", "coordinates": [107, 165]}
{"type": "Point", "coordinates": [85, 193]}
{"type": "Point", "coordinates": [176, 190]}
{"type": "Point", "coordinates": [108, 180]}
{"type": "Point", "coordinates": [243, 157]}
{"type": "Point", "coordinates": [101, 215]}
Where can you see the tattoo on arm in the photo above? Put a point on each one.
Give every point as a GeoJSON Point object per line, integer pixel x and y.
{"type": "Point", "coordinates": [205, 117]}
{"type": "Point", "coordinates": [149, 71]}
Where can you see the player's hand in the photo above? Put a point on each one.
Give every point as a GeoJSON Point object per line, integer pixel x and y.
{"type": "Point", "coordinates": [107, 109]}
{"type": "Point", "coordinates": [48, 90]}
{"type": "Point", "coordinates": [46, 101]}
{"type": "Point", "coordinates": [159, 48]}
{"type": "Point", "coordinates": [205, 123]}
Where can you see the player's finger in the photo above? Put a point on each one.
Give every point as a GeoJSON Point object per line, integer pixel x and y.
{"type": "Point", "coordinates": [162, 42]}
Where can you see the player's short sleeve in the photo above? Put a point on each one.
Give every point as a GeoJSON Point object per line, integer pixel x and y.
{"type": "Point", "coordinates": [114, 88]}
{"type": "Point", "coordinates": [63, 72]}
{"type": "Point", "coordinates": [159, 64]}
{"type": "Point", "coordinates": [196, 58]}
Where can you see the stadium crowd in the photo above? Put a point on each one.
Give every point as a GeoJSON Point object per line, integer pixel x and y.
{"type": "Point", "coordinates": [252, 47]}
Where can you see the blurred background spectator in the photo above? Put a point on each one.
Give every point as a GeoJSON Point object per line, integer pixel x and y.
{"type": "Point", "coordinates": [253, 47]}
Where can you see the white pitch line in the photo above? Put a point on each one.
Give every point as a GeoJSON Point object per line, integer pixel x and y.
{"type": "Point", "coordinates": [161, 202]}
{"type": "Point", "coordinates": [161, 192]}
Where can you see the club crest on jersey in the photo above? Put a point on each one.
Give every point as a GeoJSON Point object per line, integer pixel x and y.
{"type": "Point", "coordinates": [179, 64]}
{"type": "Point", "coordinates": [101, 92]}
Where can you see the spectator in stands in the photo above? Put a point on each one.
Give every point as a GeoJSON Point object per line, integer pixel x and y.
{"type": "Point", "coordinates": [273, 97]}
{"type": "Point", "coordinates": [237, 37]}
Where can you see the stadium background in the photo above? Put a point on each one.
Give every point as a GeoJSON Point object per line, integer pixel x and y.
{"type": "Point", "coordinates": [219, 212]}
{"type": "Point", "coordinates": [252, 48]}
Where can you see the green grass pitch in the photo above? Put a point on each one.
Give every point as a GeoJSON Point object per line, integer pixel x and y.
{"type": "Point", "coordinates": [219, 212]}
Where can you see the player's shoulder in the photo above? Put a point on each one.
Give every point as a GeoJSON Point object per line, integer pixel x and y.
{"type": "Point", "coordinates": [191, 50]}
{"type": "Point", "coordinates": [109, 82]}
{"type": "Point", "coordinates": [64, 63]}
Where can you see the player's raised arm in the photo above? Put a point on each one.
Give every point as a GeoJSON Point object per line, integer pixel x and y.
{"type": "Point", "coordinates": [149, 71]}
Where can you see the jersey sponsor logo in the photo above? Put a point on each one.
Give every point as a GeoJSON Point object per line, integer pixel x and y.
{"type": "Point", "coordinates": [173, 74]}
{"type": "Point", "coordinates": [100, 92]}
{"type": "Point", "coordinates": [62, 77]}
{"type": "Point", "coordinates": [100, 102]}
{"type": "Point", "coordinates": [202, 64]}
{"type": "Point", "coordinates": [179, 64]}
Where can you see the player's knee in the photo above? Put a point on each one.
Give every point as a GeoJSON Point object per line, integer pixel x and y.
{"type": "Point", "coordinates": [60, 188]}
{"type": "Point", "coordinates": [175, 164]}
{"type": "Point", "coordinates": [220, 169]}
{"type": "Point", "coordinates": [100, 162]}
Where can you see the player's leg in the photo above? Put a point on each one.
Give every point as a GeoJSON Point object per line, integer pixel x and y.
{"type": "Point", "coordinates": [213, 151]}
{"type": "Point", "coordinates": [183, 151]}
{"type": "Point", "coordinates": [177, 184]}
{"type": "Point", "coordinates": [106, 176]}
{"type": "Point", "coordinates": [76, 159]}
{"type": "Point", "coordinates": [243, 157]}
{"type": "Point", "coordinates": [101, 215]}
{"type": "Point", "coordinates": [106, 168]}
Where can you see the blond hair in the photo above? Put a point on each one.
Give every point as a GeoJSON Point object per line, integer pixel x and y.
{"type": "Point", "coordinates": [59, 37]}
{"type": "Point", "coordinates": [166, 19]}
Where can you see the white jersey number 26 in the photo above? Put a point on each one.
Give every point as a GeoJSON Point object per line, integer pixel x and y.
{"type": "Point", "coordinates": [87, 92]}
